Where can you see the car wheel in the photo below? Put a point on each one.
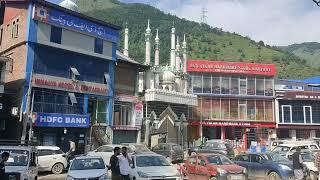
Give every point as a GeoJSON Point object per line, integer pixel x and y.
{"type": "Point", "coordinates": [213, 178]}
{"type": "Point", "coordinates": [313, 175]}
{"type": "Point", "coordinates": [273, 176]}
{"type": "Point", "coordinates": [57, 168]}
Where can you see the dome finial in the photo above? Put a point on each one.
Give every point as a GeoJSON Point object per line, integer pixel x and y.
{"type": "Point", "coordinates": [69, 4]}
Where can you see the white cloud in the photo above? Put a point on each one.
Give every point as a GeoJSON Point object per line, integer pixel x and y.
{"type": "Point", "coordinates": [276, 22]}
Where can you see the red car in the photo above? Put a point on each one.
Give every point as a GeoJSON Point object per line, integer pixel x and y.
{"type": "Point", "coordinates": [213, 167]}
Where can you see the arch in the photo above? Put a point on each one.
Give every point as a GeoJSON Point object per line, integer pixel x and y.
{"type": "Point", "coordinates": [167, 114]}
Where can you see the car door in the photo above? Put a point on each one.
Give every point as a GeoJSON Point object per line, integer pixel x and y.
{"type": "Point", "coordinates": [257, 166]}
{"type": "Point", "coordinates": [244, 161]}
{"type": "Point", "coordinates": [46, 158]}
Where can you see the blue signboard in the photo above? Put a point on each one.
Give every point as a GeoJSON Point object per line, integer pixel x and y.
{"type": "Point", "coordinates": [61, 120]}
{"type": "Point", "coordinates": [62, 19]}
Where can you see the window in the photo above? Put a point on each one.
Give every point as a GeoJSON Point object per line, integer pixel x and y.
{"type": "Point", "coordinates": [234, 85]}
{"type": "Point", "coordinates": [98, 46]}
{"type": "Point", "coordinates": [98, 110]}
{"type": "Point", "coordinates": [242, 158]}
{"type": "Point", "coordinates": [56, 34]}
{"type": "Point", "coordinates": [206, 84]}
{"type": "Point", "coordinates": [251, 87]}
{"type": "Point", "coordinates": [260, 110]}
{"type": "Point", "coordinates": [234, 109]}
{"type": "Point", "coordinates": [268, 87]}
{"type": "Point", "coordinates": [225, 109]}
{"type": "Point", "coordinates": [242, 109]}
{"type": "Point", "coordinates": [243, 86]}
{"type": "Point", "coordinates": [123, 114]}
{"type": "Point", "coordinates": [251, 111]}
{"type": "Point", "coordinates": [268, 111]}
{"type": "Point", "coordinates": [215, 108]}
{"type": "Point", "coordinates": [255, 158]}
{"type": "Point", "coordinates": [286, 114]}
{"type": "Point", "coordinates": [1, 35]}
{"type": "Point", "coordinates": [307, 114]}
{"type": "Point", "coordinates": [225, 85]}
{"type": "Point", "coordinates": [45, 152]}
{"type": "Point", "coordinates": [260, 87]}
{"type": "Point", "coordinates": [197, 84]}
{"type": "Point", "coordinates": [215, 85]}
{"type": "Point", "coordinates": [15, 29]}
{"type": "Point", "coordinates": [206, 108]}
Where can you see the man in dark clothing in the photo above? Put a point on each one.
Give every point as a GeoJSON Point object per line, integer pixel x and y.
{"type": "Point", "coordinates": [297, 164]}
{"type": "Point", "coordinates": [4, 158]}
{"type": "Point", "coordinates": [114, 164]}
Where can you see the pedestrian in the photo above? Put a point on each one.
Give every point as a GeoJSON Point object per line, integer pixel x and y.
{"type": "Point", "coordinates": [124, 164]}
{"type": "Point", "coordinates": [72, 150]}
{"type": "Point", "coordinates": [297, 165]}
{"type": "Point", "coordinates": [317, 162]}
{"type": "Point", "coordinates": [114, 165]}
{"type": "Point", "coordinates": [4, 158]}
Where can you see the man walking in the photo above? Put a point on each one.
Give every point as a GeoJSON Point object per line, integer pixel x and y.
{"type": "Point", "coordinates": [114, 165]}
{"type": "Point", "coordinates": [124, 164]}
{"type": "Point", "coordinates": [297, 164]}
{"type": "Point", "coordinates": [4, 158]}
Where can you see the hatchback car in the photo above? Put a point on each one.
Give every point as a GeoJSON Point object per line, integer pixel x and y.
{"type": "Point", "coordinates": [213, 167]}
{"type": "Point", "coordinates": [87, 167]}
{"type": "Point", "coordinates": [270, 165]}
{"type": "Point", "coordinates": [173, 152]}
{"type": "Point", "coordinates": [51, 158]}
{"type": "Point", "coordinates": [151, 166]}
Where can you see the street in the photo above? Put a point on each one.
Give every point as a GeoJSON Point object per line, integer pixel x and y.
{"type": "Point", "coordinates": [52, 176]}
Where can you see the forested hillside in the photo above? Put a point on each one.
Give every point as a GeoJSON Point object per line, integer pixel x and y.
{"type": "Point", "coordinates": [204, 42]}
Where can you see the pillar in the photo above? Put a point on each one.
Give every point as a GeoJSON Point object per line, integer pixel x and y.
{"type": "Point", "coordinates": [313, 134]}
{"type": "Point", "coordinates": [223, 133]}
{"type": "Point", "coordinates": [245, 139]}
{"type": "Point", "coordinates": [293, 134]}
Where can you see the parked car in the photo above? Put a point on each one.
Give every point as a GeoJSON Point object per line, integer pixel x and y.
{"type": "Point", "coordinates": [105, 152]}
{"type": "Point", "coordinates": [173, 152]}
{"type": "Point", "coordinates": [51, 158]}
{"type": "Point", "coordinates": [287, 150]}
{"type": "Point", "coordinates": [308, 158]}
{"type": "Point", "coordinates": [134, 147]}
{"type": "Point", "coordinates": [270, 165]}
{"type": "Point", "coordinates": [22, 162]}
{"type": "Point", "coordinates": [213, 167]}
{"type": "Point", "coordinates": [214, 147]}
{"type": "Point", "coordinates": [149, 165]}
{"type": "Point", "coordinates": [87, 167]}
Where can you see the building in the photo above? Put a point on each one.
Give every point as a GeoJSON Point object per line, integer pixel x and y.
{"type": "Point", "coordinates": [297, 108]}
{"type": "Point", "coordinates": [165, 93]}
{"type": "Point", "coordinates": [235, 100]}
{"type": "Point", "coordinates": [63, 66]}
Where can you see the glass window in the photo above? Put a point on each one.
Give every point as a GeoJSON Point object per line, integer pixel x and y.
{"type": "Point", "coordinates": [234, 85]}
{"type": "Point", "coordinates": [87, 164]}
{"type": "Point", "coordinates": [147, 161]}
{"type": "Point", "coordinates": [215, 85]}
{"type": "Point", "coordinates": [197, 84]}
{"type": "Point", "coordinates": [207, 84]}
{"type": "Point", "coordinates": [251, 88]}
{"type": "Point", "coordinates": [268, 111]}
{"type": "Point", "coordinates": [297, 113]}
{"type": "Point", "coordinates": [242, 109]}
{"type": "Point", "coordinates": [260, 110]}
{"type": "Point", "coordinates": [98, 45]}
{"type": "Point", "coordinates": [286, 113]}
{"type": "Point", "coordinates": [242, 158]}
{"type": "Point", "coordinates": [251, 112]}
{"type": "Point", "coordinates": [269, 87]}
{"type": "Point", "coordinates": [234, 109]}
{"type": "Point", "coordinates": [45, 152]}
{"type": "Point", "coordinates": [307, 112]}
{"type": "Point", "coordinates": [215, 108]}
{"type": "Point", "coordinates": [206, 108]}
{"type": "Point", "coordinates": [260, 87]}
{"type": "Point", "coordinates": [225, 85]}
{"type": "Point", "coordinates": [243, 86]}
{"type": "Point", "coordinates": [225, 111]}
{"type": "Point", "coordinates": [255, 158]}
{"type": "Point", "coordinates": [55, 35]}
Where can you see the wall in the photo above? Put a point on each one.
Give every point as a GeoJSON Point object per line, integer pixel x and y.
{"type": "Point", "coordinates": [125, 79]}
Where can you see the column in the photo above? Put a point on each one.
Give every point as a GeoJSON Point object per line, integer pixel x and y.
{"type": "Point", "coordinates": [223, 133]}
{"type": "Point", "coordinates": [245, 139]}
{"type": "Point", "coordinates": [147, 133]}
{"type": "Point", "coordinates": [312, 133]}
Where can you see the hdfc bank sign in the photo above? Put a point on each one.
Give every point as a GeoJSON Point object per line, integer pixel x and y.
{"type": "Point", "coordinates": [64, 84]}
{"type": "Point", "coordinates": [231, 67]}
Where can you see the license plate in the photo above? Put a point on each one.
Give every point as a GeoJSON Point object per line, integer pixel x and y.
{"type": "Point", "coordinates": [236, 177]}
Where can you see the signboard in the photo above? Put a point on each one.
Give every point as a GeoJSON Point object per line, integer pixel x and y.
{"type": "Point", "coordinates": [125, 98]}
{"type": "Point", "coordinates": [138, 110]}
{"type": "Point", "coordinates": [61, 120]}
{"type": "Point", "coordinates": [125, 128]}
{"type": "Point", "coordinates": [303, 95]}
{"type": "Point", "coordinates": [231, 67]}
{"type": "Point", "coordinates": [235, 124]}
{"type": "Point", "coordinates": [62, 19]}
{"type": "Point", "coordinates": [64, 84]}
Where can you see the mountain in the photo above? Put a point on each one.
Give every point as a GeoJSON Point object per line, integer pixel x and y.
{"type": "Point", "coordinates": [310, 51]}
{"type": "Point", "coordinates": [204, 41]}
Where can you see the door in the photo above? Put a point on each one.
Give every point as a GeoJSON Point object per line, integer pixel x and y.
{"type": "Point", "coordinates": [46, 158]}
{"type": "Point", "coordinates": [257, 166]}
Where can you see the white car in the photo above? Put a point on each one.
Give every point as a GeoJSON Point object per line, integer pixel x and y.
{"type": "Point", "coordinates": [309, 161]}
{"type": "Point", "coordinates": [147, 166]}
{"type": "Point", "coordinates": [51, 158]}
{"type": "Point", "coordinates": [105, 152]}
{"type": "Point", "coordinates": [287, 150]}
{"type": "Point", "coordinates": [87, 167]}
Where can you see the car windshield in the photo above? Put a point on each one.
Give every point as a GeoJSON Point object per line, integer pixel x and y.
{"type": "Point", "coordinates": [17, 157]}
{"type": "Point", "coordinates": [281, 149]}
{"type": "Point", "coordinates": [215, 145]}
{"type": "Point", "coordinates": [219, 160]}
{"type": "Point", "coordinates": [275, 157]}
{"type": "Point", "coordinates": [146, 161]}
{"type": "Point", "coordinates": [307, 157]}
{"type": "Point", "coordinates": [87, 164]}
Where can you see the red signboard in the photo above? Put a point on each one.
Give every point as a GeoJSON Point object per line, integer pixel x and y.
{"type": "Point", "coordinates": [234, 124]}
{"type": "Point", "coordinates": [231, 67]}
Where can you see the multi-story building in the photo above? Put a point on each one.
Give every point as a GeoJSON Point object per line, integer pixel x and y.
{"type": "Point", "coordinates": [297, 108]}
{"type": "Point", "coordinates": [63, 66]}
{"type": "Point", "coordinates": [235, 100]}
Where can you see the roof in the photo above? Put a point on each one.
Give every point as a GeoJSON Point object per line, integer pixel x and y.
{"type": "Point", "coordinates": [87, 157]}
{"type": "Point", "coordinates": [48, 147]}
{"type": "Point", "coordinates": [122, 57]}
{"type": "Point", "coordinates": [297, 143]}
{"type": "Point", "coordinates": [48, 4]}
{"type": "Point", "coordinates": [28, 148]}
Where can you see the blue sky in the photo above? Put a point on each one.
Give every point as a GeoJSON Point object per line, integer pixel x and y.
{"type": "Point", "coordinates": [276, 22]}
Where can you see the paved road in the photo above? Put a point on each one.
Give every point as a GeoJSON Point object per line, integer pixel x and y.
{"type": "Point", "coordinates": [52, 177]}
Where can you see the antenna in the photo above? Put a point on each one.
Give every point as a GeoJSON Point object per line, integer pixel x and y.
{"type": "Point", "coordinates": [204, 15]}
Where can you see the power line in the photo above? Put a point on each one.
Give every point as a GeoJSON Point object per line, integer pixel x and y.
{"type": "Point", "coordinates": [204, 15]}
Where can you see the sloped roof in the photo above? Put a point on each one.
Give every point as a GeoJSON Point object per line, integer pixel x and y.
{"type": "Point", "coordinates": [122, 57]}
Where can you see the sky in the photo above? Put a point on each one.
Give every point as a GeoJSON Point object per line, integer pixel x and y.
{"type": "Point", "coordinates": [276, 22]}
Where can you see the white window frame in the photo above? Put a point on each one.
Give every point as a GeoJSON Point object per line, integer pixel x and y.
{"type": "Point", "coordinates": [242, 80]}
{"type": "Point", "coordinates": [282, 107]}
{"type": "Point", "coordinates": [304, 114]}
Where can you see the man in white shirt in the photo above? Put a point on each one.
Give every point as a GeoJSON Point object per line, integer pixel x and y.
{"type": "Point", "coordinates": [124, 164]}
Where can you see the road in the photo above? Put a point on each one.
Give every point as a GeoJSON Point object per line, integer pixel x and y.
{"type": "Point", "coordinates": [52, 177]}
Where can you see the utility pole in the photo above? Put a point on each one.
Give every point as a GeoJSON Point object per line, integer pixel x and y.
{"type": "Point", "coordinates": [204, 15]}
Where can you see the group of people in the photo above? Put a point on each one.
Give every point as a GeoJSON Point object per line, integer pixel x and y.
{"type": "Point", "coordinates": [120, 164]}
